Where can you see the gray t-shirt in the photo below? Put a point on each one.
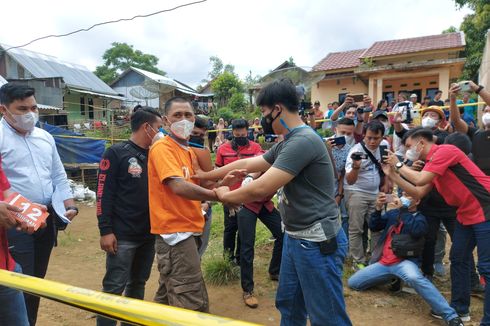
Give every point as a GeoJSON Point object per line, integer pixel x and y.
{"type": "Point", "coordinates": [308, 199]}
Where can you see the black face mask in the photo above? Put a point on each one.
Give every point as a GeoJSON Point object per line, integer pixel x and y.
{"type": "Point", "coordinates": [266, 123]}
{"type": "Point", "coordinates": [240, 141]}
{"type": "Point", "coordinates": [196, 140]}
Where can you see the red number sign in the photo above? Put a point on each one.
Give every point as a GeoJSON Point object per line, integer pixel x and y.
{"type": "Point", "coordinates": [31, 213]}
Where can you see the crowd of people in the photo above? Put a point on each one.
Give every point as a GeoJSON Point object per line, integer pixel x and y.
{"type": "Point", "coordinates": [382, 193]}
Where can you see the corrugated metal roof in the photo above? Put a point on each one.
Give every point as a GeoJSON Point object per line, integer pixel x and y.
{"type": "Point", "coordinates": [2, 81]}
{"type": "Point", "coordinates": [156, 77]}
{"type": "Point", "coordinates": [44, 66]}
{"type": "Point", "coordinates": [48, 107]}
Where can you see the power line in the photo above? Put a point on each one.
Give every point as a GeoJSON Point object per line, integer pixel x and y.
{"type": "Point", "coordinates": [105, 23]}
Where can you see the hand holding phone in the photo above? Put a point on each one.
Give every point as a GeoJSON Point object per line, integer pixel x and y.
{"type": "Point", "coordinates": [338, 141]}
{"type": "Point", "coordinates": [389, 198]}
{"type": "Point", "coordinates": [383, 149]}
{"type": "Point", "coordinates": [465, 86]}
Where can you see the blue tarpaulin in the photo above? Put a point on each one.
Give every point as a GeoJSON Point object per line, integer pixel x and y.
{"type": "Point", "coordinates": [76, 150]}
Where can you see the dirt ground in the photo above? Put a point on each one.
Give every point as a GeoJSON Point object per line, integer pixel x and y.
{"type": "Point", "coordinates": [79, 261]}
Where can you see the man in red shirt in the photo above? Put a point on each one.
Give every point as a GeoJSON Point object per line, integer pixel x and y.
{"type": "Point", "coordinates": [245, 219]}
{"type": "Point", "coordinates": [385, 264]}
{"type": "Point", "coordinates": [12, 306]}
{"type": "Point", "coordinates": [462, 185]}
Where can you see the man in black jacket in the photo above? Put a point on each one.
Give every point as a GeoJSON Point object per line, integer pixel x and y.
{"type": "Point", "coordinates": [123, 211]}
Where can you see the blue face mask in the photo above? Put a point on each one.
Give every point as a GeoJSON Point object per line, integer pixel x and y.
{"type": "Point", "coordinates": [405, 201]}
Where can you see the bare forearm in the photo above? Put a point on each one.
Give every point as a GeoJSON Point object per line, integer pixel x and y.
{"type": "Point", "coordinates": [421, 178]}
{"type": "Point", "coordinates": [485, 95]}
{"type": "Point", "coordinates": [191, 191]}
{"type": "Point", "coordinates": [336, 113]}
{"type": "Point", "coordinates": [417, 192]}
{"type": "Point", "coordinates": [455, 118]}
{"type": "Point", "coordinates": [352, 176]}
{"type": "Point", "coordinates": [250, 193]}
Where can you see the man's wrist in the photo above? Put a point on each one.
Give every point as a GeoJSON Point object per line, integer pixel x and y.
{"type": "Point", "coordinates": [72, 208]}
{"type": "Point", "coordinates": [478, 90]}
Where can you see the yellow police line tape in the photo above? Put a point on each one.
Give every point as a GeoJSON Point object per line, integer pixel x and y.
{"type": "Point", "coordinates": [124, 309]}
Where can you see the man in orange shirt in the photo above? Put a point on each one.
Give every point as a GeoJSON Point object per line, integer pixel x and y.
{"type": "Point", "coordinates": [175, 211]}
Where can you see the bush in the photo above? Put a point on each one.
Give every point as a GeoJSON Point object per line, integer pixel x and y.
{"type": "Point", "coordinates": [237, 103]}
{"type": "Point", "coordinates": [227, 114]}
{"type": "Point", "coordinates": [220, 271]}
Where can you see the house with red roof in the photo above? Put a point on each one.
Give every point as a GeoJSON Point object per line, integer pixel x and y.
{"type": "Point", "coordinates": [419, 65]}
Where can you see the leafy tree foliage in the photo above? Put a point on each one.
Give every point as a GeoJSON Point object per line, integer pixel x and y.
{"type": "Point", "coordinates": [120, 57]}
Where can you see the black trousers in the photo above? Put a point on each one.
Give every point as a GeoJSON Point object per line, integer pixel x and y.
{"type": "Point", "coordinates": [231, 240]}
{"type": "Point", "coordinates": [430, 244]}
{"type": "Point", "coordinates": [247, 222]}
{"type": "Point", "coordinates": [32, 253]}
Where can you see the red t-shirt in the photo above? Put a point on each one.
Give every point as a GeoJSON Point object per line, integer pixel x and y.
{"type": "Point", "coordinates": [6, 261]}
{"type": "Point", "coordinates": [460, 182]}
{"type": "Point", "coordinates": [388, 257]}
{"type": "Point", "coordinates": [226, 155]}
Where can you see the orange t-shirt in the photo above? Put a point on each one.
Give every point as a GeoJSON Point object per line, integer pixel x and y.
{"type": "Point", "coordinates": [170, 213]}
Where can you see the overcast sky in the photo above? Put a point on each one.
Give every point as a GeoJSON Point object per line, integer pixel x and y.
{"type": "Point", "coordinates": [255, 35]}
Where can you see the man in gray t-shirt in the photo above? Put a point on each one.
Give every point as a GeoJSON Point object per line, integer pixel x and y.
{"type": "Point", "coordinates": [314, 246]}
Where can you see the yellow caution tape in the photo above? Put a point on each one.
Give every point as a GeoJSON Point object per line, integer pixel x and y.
{"type": "Point", "coordinates": [121, 308]}
{"type": "Point", "coordinates": [86, 137]}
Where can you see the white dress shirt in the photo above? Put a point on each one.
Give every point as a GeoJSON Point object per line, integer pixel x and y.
{"type": "Point", "coordinates": [32, 164]}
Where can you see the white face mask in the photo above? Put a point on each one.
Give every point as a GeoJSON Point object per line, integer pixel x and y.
{"type": "Point", "coordinates": [25, 122]}
{"type": "Point", "coordinates": [182, 129]}
{"type": "Point", "coordinates": [349, 140]}
{"type": "Point", "coordinates": [412, 153]}
{"type": "Point", "coordinates": [485, 118]}
{"type": "Point", "coordinates": [428, 122]}
{"type": "Point", "coordinates": [387, 127]}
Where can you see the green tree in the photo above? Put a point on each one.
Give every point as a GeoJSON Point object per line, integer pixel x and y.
{"type": "Point", "coordinates": [475, 27]}
{"type": "Point", "coordinates": [120, 57]}
{"type": "Point", "coordinates": [217, 68]}
{"type": "Point", "coordinates": [450, 29]}
{"type": "Point", "coordinates": [237, 102]}
{"type": "Point", "coordinates": [225, 85]}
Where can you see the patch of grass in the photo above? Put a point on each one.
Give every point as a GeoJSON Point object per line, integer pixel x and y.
{"type": "Point", "coordinates": [220, 271]}
{"type": "Point", "coordinates": [67, 239]}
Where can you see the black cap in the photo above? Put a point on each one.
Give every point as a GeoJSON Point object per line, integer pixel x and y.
{"type": "Point", "coordinates": [379, 113]}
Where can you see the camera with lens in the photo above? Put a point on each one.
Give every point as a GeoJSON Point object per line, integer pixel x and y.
{"type": "Point", "coordinates": [357, 156]}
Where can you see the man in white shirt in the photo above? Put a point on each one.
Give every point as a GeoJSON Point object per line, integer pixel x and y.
{"type": "Point", "coordinates": [34, 169]}
{"type": "Point", "coordinates": [362, 182]}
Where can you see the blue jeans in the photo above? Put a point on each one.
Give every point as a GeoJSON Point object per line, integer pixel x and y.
{"type": "Point", "coordinates": [127, 271]}
{"type": "Point", "coordinates": [465, 239]}
{"type": "Point", "coordinates": [409, 272]}
{"type": "Point", "coordinates": [310, 284]}
{"type": "Point", "coordinates": [12, 305]}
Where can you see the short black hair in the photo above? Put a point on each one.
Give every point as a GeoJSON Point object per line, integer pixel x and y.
{"type": "Point", "coordinates": [438, 91]}
{"type": "Point", "coordinates": [239, 124]}
{"type": "Point", "coordinates": [201, 123]}
{"type": "Point", "coordinates": [459, 140]}
{"type": "Point", "coordinates": [333, 103]}
{"type": "Point", "coordinates": [175, 99]}
{"type": "Point", "coordinates": [375, 126]}
{"type": "Point", "coordinates": [143, 115]}
{"type": "Point", "coordinates": [12, 92]}
{"type": "Point", "coordinates": [419, 132]}
{"type": "Point", "coordinates": [346, 122]}
{"type": "Point", "coordinates": [280, 91]}
{"type": "Point", "coordinates": [137, 107]}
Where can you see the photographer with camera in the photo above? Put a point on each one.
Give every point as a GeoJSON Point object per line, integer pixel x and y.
{"type": "Point", "coordinates": [350, 109]}
{"type": "Point", "coordinates": [363, 180]}
{"type": "Point", "coordinates": [479, 137]}
{"type": "Point", "coordinates": [315, 114]}
{"type": "Point", "coordinates": [395, 254]}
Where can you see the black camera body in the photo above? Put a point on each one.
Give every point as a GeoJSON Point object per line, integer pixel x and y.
{"type": "Point", "coordinates": [357, 156]}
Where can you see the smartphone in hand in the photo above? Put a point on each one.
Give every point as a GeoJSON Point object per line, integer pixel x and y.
{"type": "Point", "coordinates": [383, 149]}
{"type": "Point", "coordinates": [338, 140]}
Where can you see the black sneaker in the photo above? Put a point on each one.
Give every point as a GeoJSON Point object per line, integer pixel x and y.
{"type": "Point", "coordinates": [478, 288]}
{"type": "Point", "coordinates": [455, 322]}
{"type": "Point", "coordinates": [461, 318]}
{"type": "Point", "coordinates": [396, 285]}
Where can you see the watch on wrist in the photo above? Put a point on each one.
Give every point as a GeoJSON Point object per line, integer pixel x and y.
{"type": "Point", "coordinates": [398, 166]}
{"type": "Point", "coordinates": [480, 87]}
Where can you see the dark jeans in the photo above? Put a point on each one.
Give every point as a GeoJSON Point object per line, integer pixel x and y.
{"type": "Point", "coordinates": [465, 239]}
{"type": "Point", "coordinates": [310, 284]}
{"type": "Point", "coordinates": [127, 271]}
{"type": "Point", "coordinates": [430, 244]}
{"type": "Point", "coordinates": [12, 305]}
{"type": "Point", "coordinates": [32, 253]}
{"type": "Point", "coordinates": [231, 240]}
{"type": "Point", "coordinates": [247, 222]}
